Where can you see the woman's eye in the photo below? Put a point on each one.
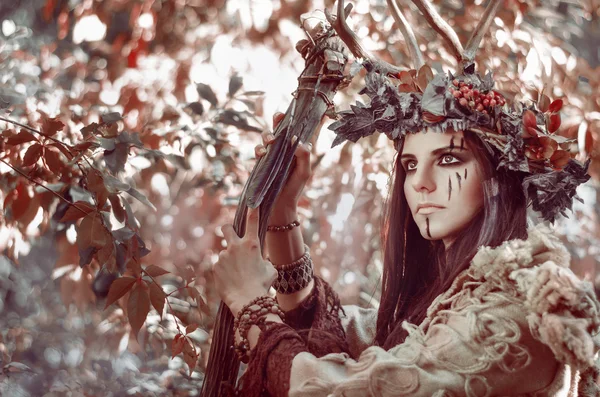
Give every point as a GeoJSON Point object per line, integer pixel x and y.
{"type": "Point", "coordinates": [408, 167]}
{"type": "Point", "coordinates": [448, 157]}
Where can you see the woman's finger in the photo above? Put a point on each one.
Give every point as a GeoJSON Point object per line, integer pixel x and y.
{"type": "Point", "coordinates": [277, 117]}
{"type": "Point", "coordinates": [229, 233]}
{"type": "Point", "coordinates": [260, 150]}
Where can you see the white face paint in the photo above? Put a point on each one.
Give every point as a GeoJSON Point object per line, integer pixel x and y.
{"type": "Point", "coordinates": [442, 171]}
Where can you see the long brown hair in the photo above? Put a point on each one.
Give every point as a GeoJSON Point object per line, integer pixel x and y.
{"type": "Point", "coordinates": [416, 270]}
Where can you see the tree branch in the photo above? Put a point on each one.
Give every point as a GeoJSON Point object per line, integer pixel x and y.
{"type": "Point", "coordinates": [441, 26]}
{"type": "Point", "coordinates": [44, 187]}
{"type": "Point", "coordinates": [349, 38]}
{"type": "Point", "coordinates": [407, 32]}
{"type": "Point", "coordinates": [480, 30]}
{"type": "Point", "coordinates": [36, 131]}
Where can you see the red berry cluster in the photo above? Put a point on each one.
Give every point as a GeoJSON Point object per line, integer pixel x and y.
{"type": "Point", "coordinates": [474, 99]}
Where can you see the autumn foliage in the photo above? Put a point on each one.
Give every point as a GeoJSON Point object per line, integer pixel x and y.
{"type": "Point", "coordinates": [122, 155]}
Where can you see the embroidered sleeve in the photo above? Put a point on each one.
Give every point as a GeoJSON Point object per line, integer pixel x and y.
{"type": "Point", "coordinates": [477, 347]}
{"type": "Point", "coordinates": [321, 311]}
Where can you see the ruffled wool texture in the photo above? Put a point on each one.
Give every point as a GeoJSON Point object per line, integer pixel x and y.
{"type": "Point", "coordinates": [563, 310]}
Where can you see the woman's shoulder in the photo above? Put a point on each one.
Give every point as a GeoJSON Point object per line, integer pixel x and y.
{"type": "Point", "coordinates": [561, 310]}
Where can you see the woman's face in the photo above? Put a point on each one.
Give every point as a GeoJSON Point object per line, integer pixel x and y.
{"type": "Point", "coordinates": [444, 185]}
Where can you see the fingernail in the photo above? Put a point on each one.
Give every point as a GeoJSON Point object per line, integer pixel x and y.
{"type": "Point", "coordinates": [262, 151]}
{"type": "Point", "coordinates": [271, 137]}
{"type": "Point", "coordinates": [294, 139]}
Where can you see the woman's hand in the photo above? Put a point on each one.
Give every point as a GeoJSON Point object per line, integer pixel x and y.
{"type": "Point", "coordinates": [241, 273]}
{"type": "Point", "coordinates": [291, 192]}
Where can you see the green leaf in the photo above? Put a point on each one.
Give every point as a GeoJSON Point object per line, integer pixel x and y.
{"type": "Point", "coordinates": [235, 83]}
{"type": "Point", "coordinates": [111, 117]}
{"type": "Point", "coordinates": [139, 196]}
{"type": "Point", "coordinates": [116, 159]}
{"type": "Point", "coordinates": [207, 93]}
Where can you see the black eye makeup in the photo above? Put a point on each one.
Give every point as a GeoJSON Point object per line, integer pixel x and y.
{"type": "Point", "coordinates": [446, 159]}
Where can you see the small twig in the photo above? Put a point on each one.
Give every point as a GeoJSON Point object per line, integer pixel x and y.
{"type": "Point", "coordinates": [44, 187]}
{"type": "Point", "coordinates": [351, 40]}
{"type": "Point", "coordinates": [36, 131]}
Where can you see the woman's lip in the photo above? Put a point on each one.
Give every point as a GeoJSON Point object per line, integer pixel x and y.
{"type": "Point", "coordinates": [428, 210]}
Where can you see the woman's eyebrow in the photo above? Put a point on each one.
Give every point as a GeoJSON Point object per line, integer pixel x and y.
{"type": "Point", "coordinates": [433, 153]}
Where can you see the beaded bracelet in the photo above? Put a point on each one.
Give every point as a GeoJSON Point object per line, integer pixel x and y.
{"type": "Point", "coordinates": [283, 228]}
{"type": "Point", "coordinates": [253, 313]}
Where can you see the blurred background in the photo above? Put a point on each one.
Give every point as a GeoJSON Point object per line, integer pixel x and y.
{"type": "Point", "coordinates": [194, 82]}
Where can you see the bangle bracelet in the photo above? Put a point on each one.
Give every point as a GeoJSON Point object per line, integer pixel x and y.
{"type": "Point", "coordinates": [293, 277]}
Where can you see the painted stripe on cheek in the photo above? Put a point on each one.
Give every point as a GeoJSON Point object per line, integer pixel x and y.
{"type": "Point", "coordinates": [427, 222]}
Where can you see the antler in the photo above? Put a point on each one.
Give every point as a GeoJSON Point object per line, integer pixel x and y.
{"type": "Point", "coordinates": [480, 30]}
{"type": "Point", "coordinates": [349, 38]}
{"type": "Point", "coordinates": [439, 25]}
{"type": "Point", "coordinates": [407, 32]}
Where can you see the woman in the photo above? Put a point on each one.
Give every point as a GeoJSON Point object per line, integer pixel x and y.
{"type": "Point", "coordinates": [473, 301]}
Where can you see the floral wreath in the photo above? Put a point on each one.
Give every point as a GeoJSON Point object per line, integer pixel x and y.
{"type": "Point", "coordinates": [521, 138]}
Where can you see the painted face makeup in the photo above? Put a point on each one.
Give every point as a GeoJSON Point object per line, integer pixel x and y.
{"type": "Point", "coordinates": [441, 198]}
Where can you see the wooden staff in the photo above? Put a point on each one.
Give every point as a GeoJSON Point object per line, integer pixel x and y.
{"type": "Point", "coordinates": [326, 56]}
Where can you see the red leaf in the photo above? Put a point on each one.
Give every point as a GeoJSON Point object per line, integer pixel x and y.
{"type": "Point", "coordinates": [107, 256]}
{"type": "Point", "coordinates": [64, 150]}
{"type": "Point", "coordinates": [554, 122]}
{"type": "Point", "coordinates": [529, 132]}
{"type": "Point", "coordinates": [556, 106]}
{"type": "Point", "coordinates": [32, 154]}
{"type": "Point", "coordinates": [189, 355]}
{"type": "Point", "coordinates": [589, 141]}
{"type": "Point", "coordinates": [21, 202]}
{"type": "Point", "coordinates": [138, 307]}
{"type": "Point", "coordinates": [544, 102]}
{"type": "Point", "coordinates": [529, 119]}
{"type": "Point", "coordinates": [560, 158]}
{"type": "Point", "coordinates": [405, 77]}
{"type": "Point", "coordinates": [118, 288]}
{"type": "Point", "coordinates": [22, 137]}
{"type": "Point", "coordinates": [425, 75]}
{"type": "Point", "coordinates": [177, 345]}
{"type": "Point", "coordinates": [406, 88]}
{"type": "Point", "coordinates": [96, 185]}
{"type": "Point", "coordinates": [50, 126]}
{"type": "Point", "coordinates": [117, 208]}
{"type": "Point", "coordinates": [92, 232]}
{"type": "Point", "coordinates": [157, 298]}
{"type": "Point", "coordinates": [199, 300]}
{"type": "Point", "coordinates": [155, 271]}
{"type": "Point", "coordinates": [73, 213]}
{"type": "Point", "coordinates": [549, 145]}
{"type": "Point", "coordinates": [191, 328]}
{"type": "Point", "coordinates": [83, 146]}
{"type": "Point", "coordinates": [53, 161]}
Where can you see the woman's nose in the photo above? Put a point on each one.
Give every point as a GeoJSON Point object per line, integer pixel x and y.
{"type": "Point", "coordinates": [423, 180]}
